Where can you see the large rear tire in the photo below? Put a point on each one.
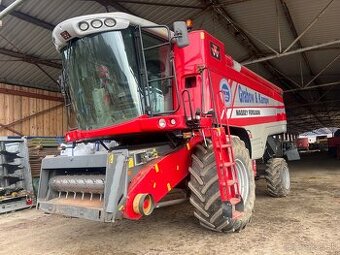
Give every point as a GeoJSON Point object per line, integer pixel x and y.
{"type": "Point", "coordinates": [277, 177]}
{"type": "Point", "coordinates": [205, 193]}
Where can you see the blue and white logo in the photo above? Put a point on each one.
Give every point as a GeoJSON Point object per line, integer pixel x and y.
{"type": "Point", "coordinates": [225, 88]}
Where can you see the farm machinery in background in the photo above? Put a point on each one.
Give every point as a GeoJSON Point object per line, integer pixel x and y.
{"type": "Point", "coordinates": [302, 143]}
{"type": "Point", "coordinates": [166, 110]}
{"type": "Point", "coordinates": [16, 189]}
{"type": "Point", "coordinates": [20, 164]}
{"type": "Point", "coordinates": [333, 144]}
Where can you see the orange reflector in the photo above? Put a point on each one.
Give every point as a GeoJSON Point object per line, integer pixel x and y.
{"type": "Point", "coordinates": [156, 168]}
{"type": "Point", "coordinates": [189, 24]}
{"type": "Point", "coordinates": [202, 35]}
{"type": "Point", "coordinates": [169, 186]}
{"type": "Point", "coordinates": [187, 135]}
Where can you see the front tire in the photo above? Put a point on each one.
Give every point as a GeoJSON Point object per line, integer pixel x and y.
{"type": "Point", "coordinates": [277, 177]}
{"type": "Point", "coordinates": [205, 193]}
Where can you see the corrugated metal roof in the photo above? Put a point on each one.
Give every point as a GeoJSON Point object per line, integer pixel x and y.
{"type": "Point", "coordinates": [327, 26]}
{"type": "Point", "coordinates": [258, 17]}
{"type": "Point", "coordinates": [164, 15]}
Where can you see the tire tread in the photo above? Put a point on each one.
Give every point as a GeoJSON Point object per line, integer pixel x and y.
{"type": "Point", "coordinates": [204, 186]}
{"type": "Point", "coordinates": [275, 187]}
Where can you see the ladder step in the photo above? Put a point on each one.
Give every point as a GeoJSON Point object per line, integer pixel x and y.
{"type": "Point", "coordinates": [235, 201]}
{"type": "Point", "coordinates": [224, 146]}
{"type": "Point", "coordinates": [237, 214]}
{"type": "Point", "coordinates": [231, 182]}
{"type": "Point", "coordinates": [229, 164]}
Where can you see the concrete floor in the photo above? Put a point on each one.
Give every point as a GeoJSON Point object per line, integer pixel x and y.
{"type": "Point", "coordinates": [306, 222]}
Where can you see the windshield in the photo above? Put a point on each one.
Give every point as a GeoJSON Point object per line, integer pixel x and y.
{"type": "Point", "coordinates": [102, 79]}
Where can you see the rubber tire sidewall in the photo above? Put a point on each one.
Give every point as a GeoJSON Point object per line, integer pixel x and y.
{"type": "Point", "coordinates": [203, 169]}
{"type": "Point", "coordinates": [275, 177]}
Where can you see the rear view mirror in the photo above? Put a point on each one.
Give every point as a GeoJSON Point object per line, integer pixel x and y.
{"type": "Point", "coordinates": [181, 34]}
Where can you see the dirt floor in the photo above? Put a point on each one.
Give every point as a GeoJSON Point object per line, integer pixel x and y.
{"type": "Point", "coordinates": [306, 222]}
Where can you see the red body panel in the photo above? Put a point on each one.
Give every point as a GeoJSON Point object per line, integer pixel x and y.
{"type": "Point", "coordinates": [333, 142]}
{"type": "Point", "coordinates": [198, 54]}
{"type": "Point", "coordinates": [159, 177]}
{"type": "Point", "coordinates": [142, 124]}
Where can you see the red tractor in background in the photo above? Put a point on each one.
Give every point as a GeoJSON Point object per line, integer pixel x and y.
{"type": "Point", "coordinates": [182, 114]}
{"type": "Point", "coordinates": [302, 143]}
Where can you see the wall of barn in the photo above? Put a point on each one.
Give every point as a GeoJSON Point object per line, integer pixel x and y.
{"type": "Point", "coordinates": [21, 114]}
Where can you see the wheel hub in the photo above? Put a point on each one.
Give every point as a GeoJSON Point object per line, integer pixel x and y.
{"type": "Point", "coordinates": [285, 178]}
{"type": "Point", "coordinates": [243, 179]}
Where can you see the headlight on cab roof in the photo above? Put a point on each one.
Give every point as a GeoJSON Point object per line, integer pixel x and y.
{"type": "Point", "coordinates": [109, 22]}
{"type": "Point", "coordinates": [83, 26]}
{"type": "Point", "coordinates": [96, 23]}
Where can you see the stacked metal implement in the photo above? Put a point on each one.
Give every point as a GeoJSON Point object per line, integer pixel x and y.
{"type": "Point", "coordinates": [39, 148]}
{"type": "Point", "coordinates": [16, 190]}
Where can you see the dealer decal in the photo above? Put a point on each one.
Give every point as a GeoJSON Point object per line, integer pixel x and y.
{"type": "Point", "coordinates": [225, 89]}
{"type": "Point", "coordinates": [243, 102]}
{"type": "Point", "coordinates": [244, 112]}
{"type": "Point", "coordinates": [247, 96]}
{"type": "Point", "coordinates": [252, 112]}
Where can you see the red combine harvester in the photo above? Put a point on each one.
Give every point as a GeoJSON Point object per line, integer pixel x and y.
{"type": "Point", "coordinates": [183, 115]}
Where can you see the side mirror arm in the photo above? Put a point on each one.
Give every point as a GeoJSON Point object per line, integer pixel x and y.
{"type": "Point", "coordinates": [181, 34]}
